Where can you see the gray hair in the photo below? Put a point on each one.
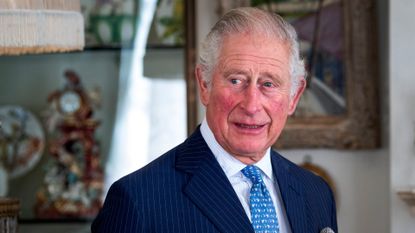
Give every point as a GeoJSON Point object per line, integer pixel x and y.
{"type": "Point", "coordinates": [252, 20]}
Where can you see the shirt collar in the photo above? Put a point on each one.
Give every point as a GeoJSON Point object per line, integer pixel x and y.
{"type": "Point", "coordinates": [230, 165]}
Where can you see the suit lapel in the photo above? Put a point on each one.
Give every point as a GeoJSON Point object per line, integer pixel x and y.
{"type": "Point", "coordinates": [208, 187]}
{"type": "Point", "coordinates": [292, 194]}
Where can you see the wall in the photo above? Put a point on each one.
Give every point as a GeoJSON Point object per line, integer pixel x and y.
{"type": "Point", "coordinates": [361, 177]}
{"type": "Point", "coordinates": [402, 123]}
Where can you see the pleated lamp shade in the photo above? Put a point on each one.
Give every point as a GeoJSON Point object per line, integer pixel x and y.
{"type": "Point", "coordinates": [40, 26]}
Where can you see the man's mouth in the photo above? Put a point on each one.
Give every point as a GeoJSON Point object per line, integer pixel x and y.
{"type": "Point", "coordinates": [249, 126]}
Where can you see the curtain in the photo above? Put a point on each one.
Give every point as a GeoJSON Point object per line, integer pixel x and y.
{"type": "Point", "coordinates": [130, 141]}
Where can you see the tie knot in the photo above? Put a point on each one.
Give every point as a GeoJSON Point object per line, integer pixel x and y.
{"type": "Point", "coordinates": [253, 173]}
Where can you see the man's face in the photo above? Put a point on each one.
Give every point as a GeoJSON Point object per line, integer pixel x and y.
{"type": "Point", "coordinates": [248, 100]}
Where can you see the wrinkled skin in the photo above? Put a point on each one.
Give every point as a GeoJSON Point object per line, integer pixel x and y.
{"type": "Point", "coordinates": [249, 99]}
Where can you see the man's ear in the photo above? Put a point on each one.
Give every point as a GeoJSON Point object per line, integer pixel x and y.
{"type": "Point", "coordinates": [296, 97]}
{"type": "Point", "coordinates": [203, 86]}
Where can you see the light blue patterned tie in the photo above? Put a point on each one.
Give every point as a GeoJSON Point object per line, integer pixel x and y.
{"type": "Point", "coordinates": [263, 216]}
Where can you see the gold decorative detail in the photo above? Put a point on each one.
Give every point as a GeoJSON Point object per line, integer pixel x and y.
{"type": "Point", "coordinates": [318, 170]}
{"type": "Point", "coordinates": [9, 211]}
{"type": "Point", "coordinates": [408, 196]}
{"type": "Point", "coordinates": [9, 207]}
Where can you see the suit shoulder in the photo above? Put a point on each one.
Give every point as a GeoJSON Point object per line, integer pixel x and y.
{"type": "Point", "coordinates": [314, 190]}
{"type": "Point", "coordinates": [156, 168]}
{"type": "Point", "coordinates": [309, 179]}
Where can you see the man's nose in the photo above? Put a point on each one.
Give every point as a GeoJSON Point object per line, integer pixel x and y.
{"type": "Point", "coordinates": [251, 100]}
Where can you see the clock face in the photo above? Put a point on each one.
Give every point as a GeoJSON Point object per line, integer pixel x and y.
{"type": "Point", "coordinates": [69, 102]}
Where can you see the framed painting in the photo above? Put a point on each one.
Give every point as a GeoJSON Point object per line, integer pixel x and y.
{"type": "Point", "coordinates": [167, 28]}
{"type": "Point", "coordinates": [113, 23]}
{"type": "Point", "coordinates": [109, 23]}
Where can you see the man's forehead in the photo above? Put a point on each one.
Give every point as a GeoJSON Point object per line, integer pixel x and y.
{"type": "Point", "coordinates": [255, 35]}
{"type": "Point", "coordinates": [252, 43]}
{"type": "Point", "coordinates": [247, 60]}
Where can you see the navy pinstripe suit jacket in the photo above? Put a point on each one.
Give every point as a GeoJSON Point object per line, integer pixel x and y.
{"type": "Point", "coordinates": [186, 191]}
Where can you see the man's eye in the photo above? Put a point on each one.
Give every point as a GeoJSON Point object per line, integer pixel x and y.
{"type": "Point", "coordinates": [268, 84]}
{"type": "Point", "coordinates": [235, 81]}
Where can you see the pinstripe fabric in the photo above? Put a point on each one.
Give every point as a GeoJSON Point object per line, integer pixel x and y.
{"type": "Point", "coordinates": [186, 191]}
{"type": "Point", "coordinates": [308, 200]}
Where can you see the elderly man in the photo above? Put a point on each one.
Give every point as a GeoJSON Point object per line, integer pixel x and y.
{"type": "Point", "coordinates": [225, 177]}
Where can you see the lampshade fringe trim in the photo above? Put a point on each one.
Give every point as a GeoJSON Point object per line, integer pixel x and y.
{"type": "Point", "coordinates": [39, 31]}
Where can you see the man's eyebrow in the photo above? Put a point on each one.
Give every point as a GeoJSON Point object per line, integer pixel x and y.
{"type": "Point", "coordinates": [272, 75]}
{"type": "Point", "coordinates": [264, 74]}
{"type": "Point", "coordinates": [236, 71]}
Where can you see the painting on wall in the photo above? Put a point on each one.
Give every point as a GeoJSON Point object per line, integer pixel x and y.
{"type": "Point", "coordinates": [167, 29]}
{"type": "Point", "coordinates": [109, 23]}
{"type": "Point", "coordinates": [113, 23]}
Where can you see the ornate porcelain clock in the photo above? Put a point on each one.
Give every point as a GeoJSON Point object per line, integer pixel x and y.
{"type": "Point", "coordinates": [73, 181]}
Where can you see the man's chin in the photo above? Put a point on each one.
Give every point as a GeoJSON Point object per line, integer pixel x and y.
{"type": "Point", "coordinates": [253, 153]}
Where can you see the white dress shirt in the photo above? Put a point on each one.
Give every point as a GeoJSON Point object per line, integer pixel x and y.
{"type": "Point", "coordinates": [241, 184]}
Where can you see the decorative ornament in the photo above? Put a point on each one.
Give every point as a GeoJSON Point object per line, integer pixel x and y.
{"type": "Point", "coordinates": [21, 143]}
{"type": "Point", "coordinates": [73, 182]}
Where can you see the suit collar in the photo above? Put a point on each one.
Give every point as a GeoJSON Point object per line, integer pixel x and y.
{"type": "Point", "coordinates": [208, 187]}
{"type": "Point", "coordinates": [210, 190]}
{"type": "Point", "coordinates": [292, 193]}
{"type": "Point", "coordinates": [229, 164]}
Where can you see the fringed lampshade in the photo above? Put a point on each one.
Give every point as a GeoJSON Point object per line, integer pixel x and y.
{"type": "Point", "coordinates": [40, 26]}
